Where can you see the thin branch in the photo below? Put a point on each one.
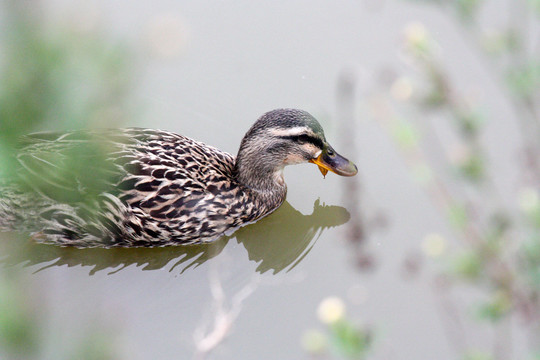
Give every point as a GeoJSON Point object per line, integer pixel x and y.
{"type": "Point", "coordinates": [206, 340]}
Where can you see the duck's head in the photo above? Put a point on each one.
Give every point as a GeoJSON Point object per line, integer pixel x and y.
{"type": "Point", "coordinates": [285, 137]}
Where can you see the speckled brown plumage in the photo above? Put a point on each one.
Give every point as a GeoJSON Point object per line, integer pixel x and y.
{"type": "Point", "coordinates": [141, 187]}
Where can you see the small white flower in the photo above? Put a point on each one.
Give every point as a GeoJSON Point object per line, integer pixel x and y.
{"type": "Point", "coordinates": [416, 34]}
{"type": "Point", "coordinates": [434, 245]}
{"type": "Point", "coordinates": [331, 310]}
{"type": "Point", "coordinates": [401, 89]}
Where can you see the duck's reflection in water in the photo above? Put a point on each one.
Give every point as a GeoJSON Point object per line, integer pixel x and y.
{"type": "Point", "coordinates": [277, 242]}
{"type": "Point", "coordinates": [283, 239]}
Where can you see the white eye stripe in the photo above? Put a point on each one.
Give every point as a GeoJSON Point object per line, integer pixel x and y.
{"type": "Point", "coordinates": [291, 132]}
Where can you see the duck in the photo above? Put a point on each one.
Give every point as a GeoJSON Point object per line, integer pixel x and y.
{"type": "Point", "coordinates": [136, 187]}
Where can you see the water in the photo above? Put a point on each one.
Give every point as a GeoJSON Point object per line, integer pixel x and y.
{"type": "Point", "coordinates": [234, 61]}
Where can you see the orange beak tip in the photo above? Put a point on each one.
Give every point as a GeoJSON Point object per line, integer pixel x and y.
{"type": "Point", "coordinates": [323, 171]}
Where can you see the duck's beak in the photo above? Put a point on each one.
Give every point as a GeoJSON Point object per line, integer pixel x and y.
{"type": "Point", "coordinates": [329, 159]}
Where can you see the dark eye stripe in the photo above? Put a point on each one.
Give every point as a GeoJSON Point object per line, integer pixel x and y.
{"type": "Point", "coordinates": [306, 138]}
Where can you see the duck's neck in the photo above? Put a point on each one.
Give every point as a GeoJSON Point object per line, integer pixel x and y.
{"type": "Point", "coordinates": [265, 181]}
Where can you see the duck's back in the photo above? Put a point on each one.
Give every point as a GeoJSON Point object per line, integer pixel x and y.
{"type": "Point", "coordinates": [132, 187]}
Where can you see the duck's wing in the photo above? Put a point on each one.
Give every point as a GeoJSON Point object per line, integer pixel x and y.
{"type": "Point", "coordinates": [184, 185]}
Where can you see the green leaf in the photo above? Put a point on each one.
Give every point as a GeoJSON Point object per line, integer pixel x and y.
{"type": "Point", "coordinates": [350, 341]}
{"type": "Point", "coordinates": [406, 134]}
{"type": "Point", "coordinates": [18, 332]}
{"type": "Point", "coordinates": [472, 168]}
{"type": "Point", "coordinates": [469, 123]}
{"type": "Point", "coordinates": [468, 265]}
{"type": "Point", "coordinates": [457, 215]}
{"type": "Point", "coordinates": [502, 43]}
{"type": "Point", "coordinates": [535, 5]}
{"type": "Point", "coordinates": [477, 355]}
{"type": "Point", "coordinates": [496, 308]}
{"type": "Point", "coordinates": [467, 8]}
{"type": "Point", "coordinates": [524, 81]}
{"type": "Point", "coordinates": [530, 267]}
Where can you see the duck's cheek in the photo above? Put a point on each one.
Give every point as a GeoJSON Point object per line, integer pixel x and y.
{"type": "Point", "coordinates": [293, 159]}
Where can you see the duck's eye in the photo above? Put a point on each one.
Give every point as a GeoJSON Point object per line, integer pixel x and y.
{"type": "Point", "coordinates": [302, 139]}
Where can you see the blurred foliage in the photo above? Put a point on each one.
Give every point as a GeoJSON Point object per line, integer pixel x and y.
{"type": "Point", "coordinates": [342, 338]}
{"type": "Point", "coordinates": [501, 42]}
{"type": "Point", "coordinates": [496, 307]}
{"type": "Point", "coordinates": [468, 265]}
{"type": "Point", "coordinates": [52, 77]}
{"type": "Point", "coordinates": [500, 250]}
{"type": "Point", "coordinates": [18, 321]}
{"type": "Point", "coordinates": [457, 215]}
{"type": "Point", "coordinates": [466, 9]}
{"type": "Point", "coordinates": [535, 5]}
{"type": "Point", "coordinates": [349, 340]}
{"type": "Point", "coordinates": [524, 80]}
{"type": "Point", "coordinates": [477, 355]}
{"type": "Point", "coordinates": [56, 78]}
{"type": "Point", "coordinates": [405, 134]}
